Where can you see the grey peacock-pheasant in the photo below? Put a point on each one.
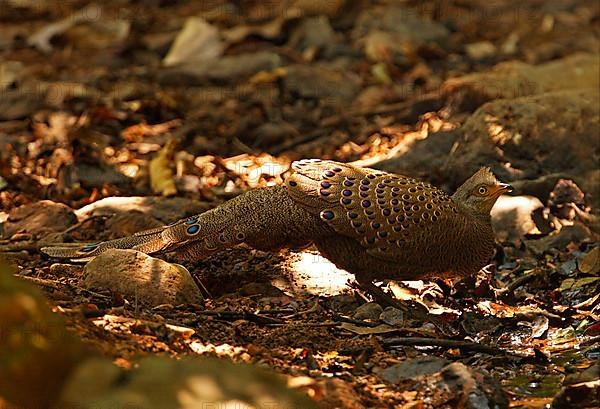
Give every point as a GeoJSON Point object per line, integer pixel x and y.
{"type": "Point", "coordinates": [371, 223]}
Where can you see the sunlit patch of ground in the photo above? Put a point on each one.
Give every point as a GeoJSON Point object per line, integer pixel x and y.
{"type": "Point", "coordinates": [309, 272]}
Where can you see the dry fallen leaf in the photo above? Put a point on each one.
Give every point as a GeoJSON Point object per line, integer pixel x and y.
{"type": "Point", "coordinates": [161, 174]}
{"type": "Point", "coordinates": [590, 264]}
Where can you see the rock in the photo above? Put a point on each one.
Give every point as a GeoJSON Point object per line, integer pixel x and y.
{"type": "Point", "coordinates": [369, 311]}
{"type": "Point", "coordinates": [392, 316]}
{"type": "Point", "coordinates": [164, 209]}
{"type": "Point", "coordinates": [313, 32]}
{"type": "Point", "coordinates": [126, 224]}
{"type": "Point", "coordinates": [480, 50]}
{"type": "Point", "coordinates": [162, 383]}
{"type": "Point", "coordinates": [403, 24]}
{"type": "Point", "coordinates": [412, 368]}
{"type": "Point", "coordinates": [39, 219]}
{"type": "Point", "coordinates": [464, 387]}
{"type": "Point", "coordinates": [224, 69]}
{"type": "Point", "coordinates": [423, 158]}
{"type": "Point", "coordinates": [198, 41]}
{"type": "Point", "coordinates": [576, 233]}
{"type": "Point", "coordinates": [512, 217]}
{"type": "Point", "coordinates": [580, 395]}
{"type": "Point", "coordinates": [549, 133]}
{"type": "Point", "coordinates": [330, 87]}
{"type": "Point", "coordinates": [140, 278]}
{"type": "Point", "coordinates": [515, 79]}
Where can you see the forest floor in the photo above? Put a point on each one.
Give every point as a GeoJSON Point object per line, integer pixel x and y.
{"type": "Point", "coordinates": [116, 102]}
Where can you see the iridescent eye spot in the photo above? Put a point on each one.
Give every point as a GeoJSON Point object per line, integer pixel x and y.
{"type": "Point", "coordinates": [370, 240]}
{"type": "Point", "coordinates": [412, 190]}
{"type": "Point", "coordinates": [90, 247]}
{"type": "Point", "coordinates": [415, 208]}
{"type": "Point", "coordinates": [345, 201]}
{"type": "Point", "coordinates": [371, 176]}
{"type": "Point", "coordinates": [369, 212]}
{"type": "Point", "coordinates": [400, 218]}
{"type": "Point", "coordinates": [421, 198]}
{"type": "Point", "coordinates": [375, 225]}
{"type": "Point", "coordinates": [327, 215]}
{"type": "Point", "coordinates": [434, 218]}
{"type": "Point", "coordinates": [337, 169]}
{"type": "Point", "coordinates": [325, 184]}
{"type": "Point", "coordinates": [329, 173]}
{"type": "Point", "coordinates": [193, 229]}
{"type": "Point", "coordinates": [364, 194]}
{"type": "Point", "coordinates": [387, 181]}
{"type": "Point", "coordinates": [436, 213]}
{"type": "Point", "coordinates": [397, 229]}
{"type": "Point", "coordinates": [425, 215]}
{"type": "Point", "coordinates": [365, 203]}
{"type": "Point", "coordinates": [395, 189]}
{"type": "Point", "coordinates": [324, 192]}
{"type": "Point", "coordinates": [380, 185]}
{"type": "Point", "coordinates": [380, 191]}
{"type": "Point", "coordinates": [356, 223]}
{"type": "Point", "coordinates": [293, 184]}
{"type": "Point", "coordinates": [190, 221]}
{"type": "Point", "coordinates": [394, 202]}
{"type": "Point", "coordinates": [365, 182]}
{"type": "Point", "coordinates": [364, 188]}
{"type": "Point", "coordinates": [381, 201]}
{"type": "Point", "coordinates": [429, 206]}
{"type": "Point", "coordinates": [347, 192]}
{"type": "Point", "coordinates": [382, 234]}
{"type": "Point", "coordinates": [386, 212]}
{"type": "Point", "coordinates": [406, 196]}
{"type": "Point", "coordinates": [352, 215]}
{"type": "Point", "coordinates": [348, 183]}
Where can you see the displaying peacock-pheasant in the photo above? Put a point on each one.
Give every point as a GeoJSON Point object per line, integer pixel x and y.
{"type": "Point", "coordinates": [371, 223]}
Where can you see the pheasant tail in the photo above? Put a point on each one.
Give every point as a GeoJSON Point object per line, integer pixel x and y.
{"type": "Point", "coordinates": [265, 219]}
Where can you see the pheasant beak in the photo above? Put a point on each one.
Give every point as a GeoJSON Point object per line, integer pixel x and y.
{"type": "Point", "coordinates": [503, 188]}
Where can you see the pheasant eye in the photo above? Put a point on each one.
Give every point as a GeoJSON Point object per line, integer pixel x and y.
{"type": "Point", "coordinates": [482, 190]}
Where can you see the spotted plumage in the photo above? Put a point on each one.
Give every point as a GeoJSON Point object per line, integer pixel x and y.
{"type": "Point", "coordinates": [371, 223]}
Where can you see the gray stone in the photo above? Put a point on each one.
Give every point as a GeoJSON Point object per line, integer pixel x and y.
{"type": "Point", "coordinates": [140, 278]}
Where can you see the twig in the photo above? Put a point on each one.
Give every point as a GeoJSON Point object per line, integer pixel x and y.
{"type": "Point", "coordinates": [313, 308]}
{"type": "Point", "coordinates": [447, 343]}
{"type": "Point", "coordinates": [235, 315]}
{"type": "Point", "coordinates": [518, 282]}
{"type": "Point", "coordinates": [81, 223]}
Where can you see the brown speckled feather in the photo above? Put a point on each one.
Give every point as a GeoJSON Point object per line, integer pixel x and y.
{"type": "Point", "coordinates": [385, 213]}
